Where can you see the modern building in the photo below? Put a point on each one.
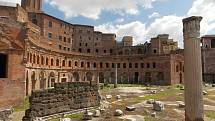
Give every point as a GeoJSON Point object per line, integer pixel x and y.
{"type": "Point", "coordinates": [38, 50]}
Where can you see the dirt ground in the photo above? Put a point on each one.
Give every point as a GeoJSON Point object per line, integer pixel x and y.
{"type": "Point", "coordinates": [137, 95]}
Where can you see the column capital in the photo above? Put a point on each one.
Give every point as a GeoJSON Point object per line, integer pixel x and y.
{"type": "Point", "coordinates": [191, 26]}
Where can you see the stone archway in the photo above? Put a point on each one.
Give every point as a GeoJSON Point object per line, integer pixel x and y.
{"type": "Point", "coordinates": [101, 77]}
{"type": "Point", "coordinates": [42, 80]}
{"type": "Point", "coordinates": [160, 78]}
{"type": "Point", "coordinates": [76, 76]}
{"type": "Point", "coordinates": [89, 76]}
{"type": "Point", "coordinates": [33, 80]}
{"type": "Point", "coordinates": [124, 78]}
{"type": "Point", "coordinates": [27, 84]}
{"type": "Point", "coordinates": [51, 80]}
{"type": "Point", "coordinates": [113, 78]}
{"type": "Point", "coordinates": [136, 77]}
{"type": "Point", "coordinates": [148, 77]}
{"type": "Point", "coordinates": [180, 78]}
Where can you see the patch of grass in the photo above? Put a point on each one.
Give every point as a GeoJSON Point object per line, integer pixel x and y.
{"type": "Point", "coordinates": [148, 118]}
{"type": "Point", "coordinates": [210, 114]}
{"type": "Point", "coordinates": [23, 106]}
{"type": "Point", "coordinates": [158, 96]}
{"type": "Point", "coordinates": [71, 116]}
{"type": "Point", "coordinates": [74, 116]}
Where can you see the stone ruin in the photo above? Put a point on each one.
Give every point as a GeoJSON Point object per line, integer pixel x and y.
{"type": "Point", "coordinates": [64, 97]}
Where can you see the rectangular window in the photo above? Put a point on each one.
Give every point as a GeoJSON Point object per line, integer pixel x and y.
{"type": "Point", "coordinates": [124, 65]}
{"type": "Point", "coordinates": [113, 65]}
{"type": "Point", "coordinates": [148, 65]}
{"type": "Point", "coordinates": [60, 38]}
{"type": "Point", "coordinates": [60, 47]}
{"type": "Point", "coordinates": [136, 65]}
{"type": "Point", "coordinates": [3, 65]}
{"type": "Point", "coordinates": [213, 43]}
{"type": "Point", "coordinates": [142, 65]}
{"type": "Point", "coordinates": [50, 35]}
{"type": "Point", "coordinates": [107, 65]}
{"type": "Point", "coordinates": [101, 65]}
{"type": "Point", "coordinates": [118, 65]}
{"type": "Point", "coordinates": [88, 64]}
{"type": "Point", "coordinates": [50, 24]}
{"type": "Point", "coordinates": [130, 65]}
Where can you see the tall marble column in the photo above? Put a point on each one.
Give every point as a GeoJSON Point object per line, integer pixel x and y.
{"type": "Point", "coordinates": [194, 110]}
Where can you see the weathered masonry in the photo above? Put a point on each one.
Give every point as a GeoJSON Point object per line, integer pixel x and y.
{"type": "Point", "coordinates": [63, 97]}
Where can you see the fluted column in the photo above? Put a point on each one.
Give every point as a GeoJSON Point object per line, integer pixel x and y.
{"type": "Point", "coordinates": [194, 110]}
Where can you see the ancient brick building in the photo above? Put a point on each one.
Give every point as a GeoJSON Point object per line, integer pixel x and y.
{"type": "Point", "coordinates": [38, 50]}
{"type": "Point", "coordinates": [208, 56]}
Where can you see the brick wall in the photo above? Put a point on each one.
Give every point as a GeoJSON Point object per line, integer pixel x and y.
{"type": "Point", "coordinates": [63, 97]}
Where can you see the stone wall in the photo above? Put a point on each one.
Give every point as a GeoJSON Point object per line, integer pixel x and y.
{"type": "Point", "coordinates": [63, 97]}
{"type": "Point", "coordinates": [5, 115]}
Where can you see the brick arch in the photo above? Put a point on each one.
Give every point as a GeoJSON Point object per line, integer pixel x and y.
{"type": "Point", "coordinates": [51, 79]}
{"type": "Point", "coordinates": [33, 80]}
{"type": "Point", "coordinates": [26, 84]}
{"type": "Point", "coordinates": [89, 76]}
{"type": "Point", "coordinates": [101, 77]}
{"type": "Point", "coordinates": [42, 80]}
{"type": "Point", "coordinates": [76, 76]}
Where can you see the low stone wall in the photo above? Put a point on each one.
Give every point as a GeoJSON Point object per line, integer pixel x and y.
{"type": "Point", "coordinates": [63, 97]}
{"type": "Point", "coordinates": [5, 115]}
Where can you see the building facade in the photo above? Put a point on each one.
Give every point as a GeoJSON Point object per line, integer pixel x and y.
{"type": "Point", "coordinates": [208, 58]}
{"type": "Point", "coordinates": [38, 50]}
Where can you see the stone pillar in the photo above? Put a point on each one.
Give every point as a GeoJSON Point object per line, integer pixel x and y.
{"type": "Point", "coordinates": [194, 110]}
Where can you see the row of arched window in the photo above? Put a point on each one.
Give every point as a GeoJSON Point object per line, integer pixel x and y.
{"type": "Point", "coordinates": [41, 60]}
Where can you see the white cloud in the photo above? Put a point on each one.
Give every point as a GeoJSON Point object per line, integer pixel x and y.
{"type": "Point", "coordinates": [171, 25]}
{"type": "Point", "coordinates": [154, 15]}
{"type": "Point", "coordinates": [135, 29]}
{"type": "Point", "coordinates": [204, 8]}
{"type": "Point", "coordinates": [12, 1]}
{"type": "Point", "coordinates": [93, 8]}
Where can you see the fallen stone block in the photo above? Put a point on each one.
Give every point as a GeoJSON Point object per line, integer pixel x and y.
{"type": "Point", "coordinates": [97, 113]}
{"type": "Point", "coordinates": [130, 108]}
{"type": "Point", "coordinates": [150, 101]}
{"type": "Point", "coordinates": [158, 106]}
{"type": "Point", "coordinates": [118, 112]}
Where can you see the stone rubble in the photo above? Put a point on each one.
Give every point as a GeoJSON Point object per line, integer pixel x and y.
{"type": "Point", "coordinates": [118, 112]}
{"type": "Point", "coordinates": [63, 98]}
{"type": "Point", "coordinates": [158, 106]}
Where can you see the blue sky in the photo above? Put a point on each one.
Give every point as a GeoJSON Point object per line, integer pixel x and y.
{"type": "Point", "coordinates": [141, 19]}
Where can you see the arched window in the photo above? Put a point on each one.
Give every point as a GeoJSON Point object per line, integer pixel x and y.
{"type": "Point", "coordinates": [34, 58]}
{"type": "Point", "coordinates": [94, 65]}
{"type": "Point", "coordinates": [70, 64]}
{"type": "Point", "coordinates": [63, 63]}
{"type": "Point", "coordinates": [57, 62]}
{"type": "Point", "coordinates": [52, 62]}
{"type": "Point", "coordinates": [154, 65]}
{"type": "Point", "coordinates": [47, 61]}
{"type": "Point", "coordinates": [42, 60]}
{"type": "Point", "coordinates": [30, 58]}
{"type": "Point", "coordinates": [76, 63]}
{"type": "Point", "coordinates": [82, 64]}
{"type": "Point", "coordinates": [38, 59]}
{"type": "Point", "coordinates": [101, 65]}
{"type": "Point", "coordinates": [124, 65]}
